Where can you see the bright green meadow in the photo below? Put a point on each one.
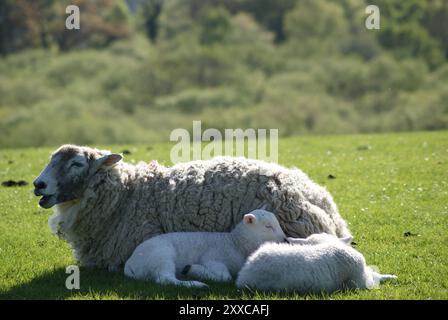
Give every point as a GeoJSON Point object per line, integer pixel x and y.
{"type": "Point", "coordinates": [391, 188]}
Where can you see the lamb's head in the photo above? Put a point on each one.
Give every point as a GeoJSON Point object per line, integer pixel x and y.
{"type": "Point", "coordinates": [319, 238]}
{"type": "Point", "coordinates": [262, 226]}
{"type": "Point", "coordinates": [66, 176]}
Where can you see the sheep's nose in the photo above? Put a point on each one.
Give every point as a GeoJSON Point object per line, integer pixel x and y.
{"type": "Point", "coordinates": [40, 185]}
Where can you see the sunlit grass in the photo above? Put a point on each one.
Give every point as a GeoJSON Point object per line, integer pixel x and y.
{"type": "Point", "coordinates": [385, 185]}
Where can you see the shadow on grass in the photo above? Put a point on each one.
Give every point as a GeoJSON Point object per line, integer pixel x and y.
{"type": "Point", "coordinates": [100, 284]}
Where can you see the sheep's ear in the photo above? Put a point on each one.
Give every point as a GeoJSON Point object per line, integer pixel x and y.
{"type": "Point", "coordinates": [106, 161]}
{"type": "Point", "coordinates": [110, 159]}
{"type": "Point", "coordinates": [300, 241]}
{"type": "Point", "coordinates": [347, 240]}
{"type": "Point", "coordinates": [249, 218]}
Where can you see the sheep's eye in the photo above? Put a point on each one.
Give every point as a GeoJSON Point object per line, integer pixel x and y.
{"type": "Point", "coordinates": [270, 227]}
{"type": "Point", "coordinates": [77, 165]}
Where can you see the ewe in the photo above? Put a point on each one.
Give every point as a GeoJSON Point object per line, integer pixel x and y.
{"type": "Point", "coordinates": [202, 255]}
{"type": "Point", "coordinates": [319, 263]}
{"type": "Point", "coordinates": [105, 207]}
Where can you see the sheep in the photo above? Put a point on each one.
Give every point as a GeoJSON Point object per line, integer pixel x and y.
{"type": "Point", "coordinates": [104, 207]}
{"type": "Point", "coordinates": [319, 263]}
{"type": "Point", "coordinates": [214, 256]}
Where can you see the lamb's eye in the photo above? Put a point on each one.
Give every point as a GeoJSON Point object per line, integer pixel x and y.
{"type": "Point", "coordinates": [270, 227]}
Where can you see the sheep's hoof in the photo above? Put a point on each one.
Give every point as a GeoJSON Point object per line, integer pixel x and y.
{"type": "Point", "coordinates": [186, 269]}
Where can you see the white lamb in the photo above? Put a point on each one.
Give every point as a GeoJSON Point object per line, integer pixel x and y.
{"type": "Point", "coordinates": [318, 263]}
{"type": "Point", "coordinates": [202, 255]}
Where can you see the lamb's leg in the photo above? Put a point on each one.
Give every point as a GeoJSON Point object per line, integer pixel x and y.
{"type": "Point", "coordinates": [211, 270]}
{"type": "Point", "coordinates": [167, 275]}
{"type": "Point", "coordinates": [380, 278]}
{"type": "Point", "coordinates": [372, 279]}
{"type": "Point", "coordinates": [169, 278]}
{"type": "Point", "coordinates": [158, 266]}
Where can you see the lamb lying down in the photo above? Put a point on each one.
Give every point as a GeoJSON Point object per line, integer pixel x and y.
{"type": "Point", "coordinates": [318, 263]}
{"type": "Point", "coordinates": [203, 255]}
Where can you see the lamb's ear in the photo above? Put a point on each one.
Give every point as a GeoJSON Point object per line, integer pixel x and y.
{"type": "Point", "coordinates": [249, 218]}
{"type": "Point", "coordinates": [106, 161]}
{"type": "Point", "coordinates": [300, 241]}
{"type": "Point", "coordinates": [347, 240]}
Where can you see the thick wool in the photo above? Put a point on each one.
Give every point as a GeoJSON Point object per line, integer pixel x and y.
{"type": "Point", "coordinates": [321, 264]}
{"type": "Point", "coordinates": [202, 255]}
{"type": "Point", "coordinates": [127, 204]}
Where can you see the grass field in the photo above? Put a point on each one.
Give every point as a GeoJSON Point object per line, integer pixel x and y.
{"type": "Point", "coordinates": [391, 188]}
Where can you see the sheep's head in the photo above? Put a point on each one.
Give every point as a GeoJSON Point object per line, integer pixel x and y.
{"type": "Point", "coordinates": [319, 238]}
{"type": "Point", "coordinates": [263, 226]}
{"type": "Point", "coordinates": [66, 177]}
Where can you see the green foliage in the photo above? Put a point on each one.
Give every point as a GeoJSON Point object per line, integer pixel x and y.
{"type": "Point", "coordinates": [41, 23]}
{"type": "Point", "coordinates": [195, 100]}
{"type": "Point", "coordinates": [303, 66]}
{"type": "Point", "coordinates": [314, 24]}
{"type": "Point", "coordinates": [404, 31]}
{"type": "Point", "coordinates": [436, 22]}
{"type": "Point", "coordinates": [270, 14]}
{"type": "Point", "coordinates": [386, 185]}
{"type": "Point", "coordinates": [214, 24]}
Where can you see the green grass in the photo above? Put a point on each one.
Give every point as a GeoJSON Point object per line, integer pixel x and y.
{"type": "Point", "coordinates": [385, 185]}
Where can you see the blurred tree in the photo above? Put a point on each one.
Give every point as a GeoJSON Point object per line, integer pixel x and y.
{"type": "Point", "coordinates": [253, 44]}
{"type": "Point", "coordinates": [316, 26]}
{"type": "Point", "coordinates": [148, 13]}
{"type": "Point", "coordinates": [102, 21]}
{"type": "Point", "coordinates": [362, 41]}
{"type": "Point", "coordinates": [175, 19]}
{"type": "Point", "coordinates": [402, 30]}
{"type": "Point", "coordinates": [436, 21]}
{"type": "Point", "coordinates": [270, 14]}
{"type": "Point", "coordinates": [214, 25]}
{"type": "Point", "coordinates": [25, 23]}
{"type": "Point", "coordinates": [319, 19]}
{"type": "Point", "coordinates": [41, 23]}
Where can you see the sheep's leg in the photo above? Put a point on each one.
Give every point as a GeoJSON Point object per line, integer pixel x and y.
{"type": "Point", "coordinates": [211, 270]}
